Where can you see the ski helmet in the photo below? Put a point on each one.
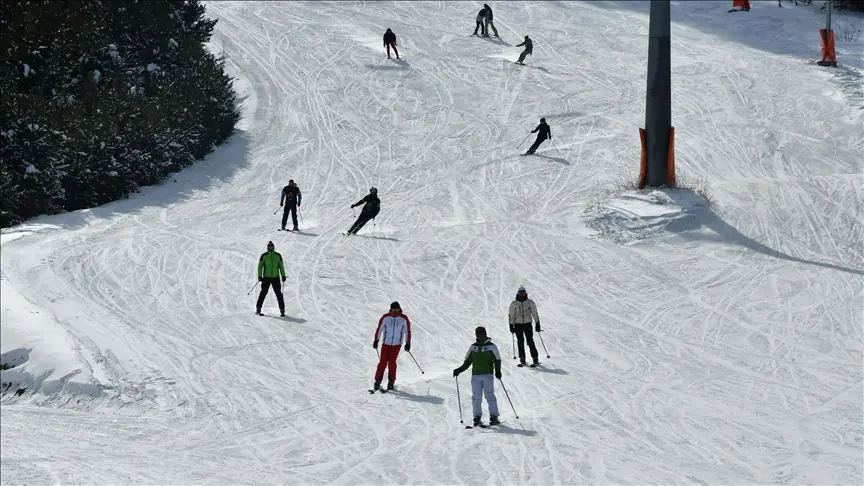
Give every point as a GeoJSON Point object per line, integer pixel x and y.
{"type": "Point", "coordinates": [373, 190]}
{"type": "Point", "coordinates": [542, 120]}
{"type": "Point", "coordinates": [395, 306]}
{"type": "Point", "coordinates": [291, 182]}
{"type": "Point", "coordinates": [480, 331]}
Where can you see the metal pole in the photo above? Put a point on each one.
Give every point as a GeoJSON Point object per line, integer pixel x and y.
{"type": "Point", "coordinates": [658, 103]}
{"type": "Point", "coordinates": [828, 8]}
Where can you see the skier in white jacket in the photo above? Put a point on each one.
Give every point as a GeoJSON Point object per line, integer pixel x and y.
{"type": "Point", "coordinates": [392, 328]}
{"type": "Point", "coordinates": [522, 310]}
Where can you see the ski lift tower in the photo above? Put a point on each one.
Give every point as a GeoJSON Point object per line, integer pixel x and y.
{"type": "Point", "coordinates": [658, 151]}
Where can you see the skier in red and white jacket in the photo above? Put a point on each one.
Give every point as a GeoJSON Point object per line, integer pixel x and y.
{"type": "Point", "coordinates": [392, 328]}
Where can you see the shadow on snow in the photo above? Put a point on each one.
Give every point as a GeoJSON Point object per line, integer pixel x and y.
{"type": "Point", "coordinates": [418, 398]}
{"type": "Point", "coordinates": [726, 233]}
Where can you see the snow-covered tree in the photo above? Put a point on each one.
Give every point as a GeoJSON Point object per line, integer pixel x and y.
{"type": "Point", "coordinates": [104, 97]}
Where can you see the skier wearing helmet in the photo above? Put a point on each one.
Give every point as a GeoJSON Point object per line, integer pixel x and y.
{"type": "Point", "coordinates": [529, 49]}
{"type": "Point", "coordinates": [270, 268]}
{"type": "Point", "coordinates": [543, 132]}
{"type": "Point", "coordinates": [371, 205]}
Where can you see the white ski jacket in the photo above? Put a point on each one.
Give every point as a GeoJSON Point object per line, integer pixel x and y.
{"type": "Point", "coordinates": [522, 312]}
{"type": "Point", "coordinates": [392, 328]}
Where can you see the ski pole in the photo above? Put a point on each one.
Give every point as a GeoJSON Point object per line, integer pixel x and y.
{"type": "Point", "coordinates": [253, 288]}
{"type": "Point", "coordinates": [555, 145]}
{"type": "Point", "coordinates": [415, 362]}
{"type": "Point", "coordinates": [508, 397]}
{"type": "Point", "coordinates": [459, 398]}
{"type": "Point", "coordinates": [540, 334]}
{"type": "Point", "coordinates": [277, 210]}
{"type": "Point", "coordinates": [523, 141]}
{"type": "Point", "coordinates": [300, 213]}
{"type": "Point", "coordinates": [514, 344]}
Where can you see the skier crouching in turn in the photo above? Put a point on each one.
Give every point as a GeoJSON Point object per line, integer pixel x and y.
{"type": "Point", "coordinates": [529, 49]}
{"type": "Point", "coordinates": [543, 132]}
{"type": "Point", "coordinates": [270, 268]}
{"type": "Point", "coordinates": [371, 207]}
{"type": "Point", "coordinates": [392, 328]}
{"type": "Point", "coordinates": [484, 359]}
{"type": "Point", "coordinates": [522, 310]}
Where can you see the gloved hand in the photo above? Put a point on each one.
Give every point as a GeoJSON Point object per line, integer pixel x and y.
{"type": "Point", "coordinates": [260, 279]}
{"type": "Point", "coordinates": [498, 374]}
{"type": "Point", "coordinates": [281, 204]}
{"type": "Point", "coordinates": [286, 278]}
{"type": "Point", "coordinates": [298, 204]}
{"type": "Point", "coordinates": [456, 372]}
{"type": "Point", "coordinates": [375, 344]}
{"type": "Point", "coordinates": [407, 347]}
{"type": "Point", "coordinates": [512, 329]}
{"type": "Point", "coordinates": [537, 326]}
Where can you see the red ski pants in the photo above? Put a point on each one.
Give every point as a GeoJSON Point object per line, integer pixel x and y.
{"type": "Point", "coordinates": [387, 360]}
{"type": "Point", "coordinates": [388, 46]}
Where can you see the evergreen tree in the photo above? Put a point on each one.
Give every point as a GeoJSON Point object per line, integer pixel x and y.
{"type": "Point", "coordinates": [98, 98]}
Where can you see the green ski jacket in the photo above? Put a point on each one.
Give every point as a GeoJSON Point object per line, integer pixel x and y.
{"type": "Point", "coordinates": [270, 265]}
{"type": "Point", "coordinates": [484, 359]}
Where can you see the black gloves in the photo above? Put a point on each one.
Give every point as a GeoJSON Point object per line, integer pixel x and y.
{"type": "Point", "coordinates": [281, 204]}
{"type": "Point", "coordinates": [537, 326]}
{"type": "Point", "coordinates": [260, 279]}
{"type": "Point", "coordinates": [286, 278]}
{"type": "Point", "coordinates": [408, 347]}
{"type": "Point", "coordinates": [375, 344]}
{"type": "Point", "coordinates": [512, 329]}
{"type": "Point", "coordinates": [456, 372]}
{"type": "Point", "coordinates": [498, 374]}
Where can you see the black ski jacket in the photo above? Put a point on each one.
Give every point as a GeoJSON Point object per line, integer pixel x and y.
{"type": "Point", "coordinates": [291, 196]}
{"type": "Point", "coordinates": [488, 13]}
{"type": "Point", "coordinates": [371, 201]}
{"type": "Point", "coordinates": [389, 38]}
{"type": "Point", "coordinates": [529, 46]}
{"type": "Point", "coordinates": [544, 130]}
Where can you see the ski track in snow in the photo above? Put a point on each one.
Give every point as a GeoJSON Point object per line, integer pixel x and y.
{"type": "Point", "coordinates": [726, 349]}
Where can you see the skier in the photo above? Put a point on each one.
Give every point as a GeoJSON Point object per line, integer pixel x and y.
{"type": "Point", "coordinates": [481, 25]}
{"type": "Point", "coordinates": [370, 209]}
{"type": "Point", "coordinates": [390, 41]}
{"type": "Point", "coordinates": [392, 327]}
{"type": "Point", "coordinates": [270, 268]}
{"type": "Point", "coordinates": [489, 21]}
{"type": "Point", "coordinates": [522, 310]}
{"type": "Point", "coordinates": [544, 133]}
{"type": "Point", "coordinates": [484, 359]}
{"type": "Point", "coordinates": [290, 199]}
{"type": "Point", "coordinates": [529, 49]}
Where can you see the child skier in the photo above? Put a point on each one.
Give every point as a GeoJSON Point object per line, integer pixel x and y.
{"type": "Point", "coordinates": [484, 359]}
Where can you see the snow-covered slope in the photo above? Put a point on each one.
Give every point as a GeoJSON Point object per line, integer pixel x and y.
{"type": "Point", "coordinates": [688, 343]}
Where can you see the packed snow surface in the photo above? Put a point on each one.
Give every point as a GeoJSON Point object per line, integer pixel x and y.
{"type": "Point", "coordinates": [689, 343]}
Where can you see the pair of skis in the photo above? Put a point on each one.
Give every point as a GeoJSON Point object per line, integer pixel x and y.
{"type": "Point", "coordinates": [483, 426]}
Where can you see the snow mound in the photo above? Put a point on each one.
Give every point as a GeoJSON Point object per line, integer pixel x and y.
{"type": "Point", "coordinates": [634, 216]}
{"type": "Point", "coordinates": [40, 354]}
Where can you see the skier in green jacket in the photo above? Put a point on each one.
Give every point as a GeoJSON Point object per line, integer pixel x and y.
{"type": "Point", "coordinates": [270, 268]}
{"type": "Point", "coordinates": [484, 359]}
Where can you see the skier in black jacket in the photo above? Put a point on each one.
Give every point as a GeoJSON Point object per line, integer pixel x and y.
{"type": "Point", "coordinates": [481, 26]}
{"type": "Point", "coordinates": [371, 206]}
{"type": "Point", "coordinates": [489, 23]}
{"type": "Point", "coordinates": [290, 200]}
{"type": "Point", "coordinates": [543, 132]}
{"type": "Point", "coordinates": [529, 49]}
{"type": "Point", "coordinates": [390, 41]}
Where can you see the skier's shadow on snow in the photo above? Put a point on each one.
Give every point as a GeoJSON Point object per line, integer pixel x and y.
{"type": "Point", "coordinates": [551, 371]}
{"type": "Point", "coordinates": [418, 398]}
{"type": "Point", "coordinates": [503, 429]}
{"type": "Point", "coordinates": [555, 159]}
{"type": "Point", "coordinates": [296, 320]}
{"type": "Point", "coordinates": [494, 40]}
{"type": "Point", "coordinates": [399, 64]}
{"type": "Point", "coordinates": [378, 237]}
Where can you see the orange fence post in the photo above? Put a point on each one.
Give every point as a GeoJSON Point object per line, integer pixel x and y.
{"type": "Point", "coordinates": [671, 181]}
{"type": "Point", "coordinates": [829, 58]}
{"type": "Point", "coordinates": [643, 165]}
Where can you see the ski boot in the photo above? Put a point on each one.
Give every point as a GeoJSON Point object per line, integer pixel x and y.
{"type": "Point", "coordinates": [391, 385]}
{"type": "Point", "coordinates": [377, 385]}
{"type": "Point", "coordinates": [522, 362]}
{"type": "Point", "coordinates": [281, 313]}
{"type": "Point", "coordinates": [477, 422]}
{"type": "Point", "coordinates": [296, 229]}
{"type": "Point", "coordinates": [493, 420]}
{"type": "Point", "coordinates": [536, 362]}
{"type": "Point", "coordinates": [258, 311]}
